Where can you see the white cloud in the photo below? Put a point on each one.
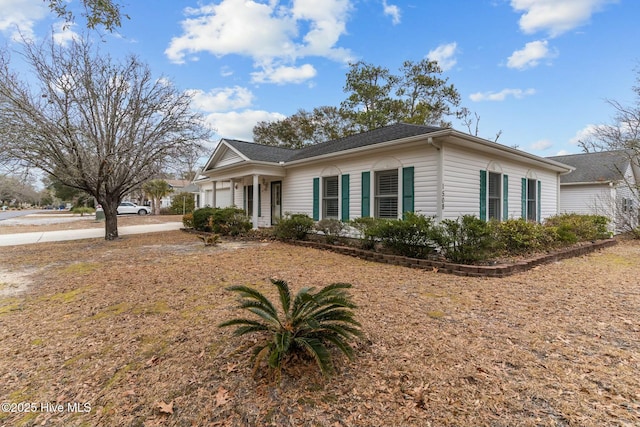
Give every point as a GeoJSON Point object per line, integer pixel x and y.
{"type": "Point", "coordinates": [273, 35]}
{"type": "Point", "coordinates": [282, 75]}
{"type": "Point", "coordinates": [221, 99]}
{"type": "Point", "coordinates": [20, 16]}
{"type": "Point", "coordinates": [584, 134]}
{"type": "Point", "coordinates": [63, 33]}
{"type": "Point", "coordinates": [555, 16]}
{"type": "Point", "coordinates": [562, 153]}
{"type": "Point", "coordinates": [542, 145]}
{"type": "Point", "coordinates": [444, 55]}
{"type": "Point", "coordinates": [502, 95]}
{"type": "Point", "coordinates": [239, 124]}
{"type": "Point", "coordinates": [228, 111]}
{"type": "Point", "coordinates": [530, 55]}
{"type": "Point", "coordinates": [393, 11]}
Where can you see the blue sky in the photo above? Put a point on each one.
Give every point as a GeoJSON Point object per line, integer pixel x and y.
{"type": "Point", "coordinates": [537, 70]}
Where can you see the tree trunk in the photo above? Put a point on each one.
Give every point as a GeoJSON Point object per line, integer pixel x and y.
{"type": "Point", "coordinates": [110, 220]}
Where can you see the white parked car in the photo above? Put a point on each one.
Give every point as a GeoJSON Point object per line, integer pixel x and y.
{"type": "Point", "coordinates": [130, 208]}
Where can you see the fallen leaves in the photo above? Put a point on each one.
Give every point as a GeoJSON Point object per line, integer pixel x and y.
{"type": "Point", "coordinates": [165, 408]}
{"type": "Point", "coordinates": [556, 346]}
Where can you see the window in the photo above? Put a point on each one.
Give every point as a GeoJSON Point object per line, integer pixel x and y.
{"type": "Point", "coordinates": [532, 200]}
{"type": "Point", "coordinates": [627, 205]}
{"type": "Point", "coordinates": [330, 197]}
{"type": "Point", "coordinates": [386, 194]}
{"type": "Point", "coordinates": [495, 195]}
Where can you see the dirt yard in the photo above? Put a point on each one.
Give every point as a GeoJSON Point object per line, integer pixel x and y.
{"type": "Point", "coordinates": [96, 333]}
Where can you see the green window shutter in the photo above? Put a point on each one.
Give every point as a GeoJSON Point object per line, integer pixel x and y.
{"type": "Point", "coordinates": [523, 198]}
{"type": "Point", "coordinates": [245, 204]}
{"type": "Point", "coordinates": [483, 195]}
{"type": "Point", "coordinates": [539, 204]}
{"type": "Point", "coordinates": [345, 197]}
{"type": "Point", "coordinates": [407, 190]}
{"type": "Point", "coordinates": [316, 199]}
{"type": "Point", "coordinates": [259, 201]}
{"type": "Point", "coordinates": [366, 194]}
{"type": "Point", "coordinates": [505, 197]}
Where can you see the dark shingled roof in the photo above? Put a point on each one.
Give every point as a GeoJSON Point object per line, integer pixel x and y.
{"type": "Point", "coordinates": [261, 153]}
{"type": "Point", "coordinates": [376, 136]}
{"type": "Point", "coordinates": [265, 153]}
{"type": "Point", "coordinates": [602, 166]}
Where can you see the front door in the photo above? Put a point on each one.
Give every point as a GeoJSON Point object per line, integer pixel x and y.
{"type": "Point", "coordinates": [276, 201]}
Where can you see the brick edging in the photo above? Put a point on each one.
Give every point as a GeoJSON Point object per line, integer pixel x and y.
{"type": "Point", "coordinates": [501, 270]}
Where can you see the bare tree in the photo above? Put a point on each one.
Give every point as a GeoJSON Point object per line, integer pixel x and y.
{"type": "Point", "coordinates": [96, 124]}
{"type": "Point", "coordinates": [470, 122]}
{"type": "Point", "coordinates": [623, 133]}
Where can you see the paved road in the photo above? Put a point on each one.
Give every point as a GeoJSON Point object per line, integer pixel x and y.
{"type": "Point", "coordinates": [15, 214]}
{"type": "Point", "coordinates": [90, 233]}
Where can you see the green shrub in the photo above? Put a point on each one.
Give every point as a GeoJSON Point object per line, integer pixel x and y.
{"type": "Point", "coordinates": [576, 228]}
{"type": "Point", "coordinates": [466, 240]}
{"type": "Point", "coordinates": [82, 210]}
{"type": "Point", "coordinates": [224, 221]}
{"type": "Point", "coordinates": [187, 220]}
{"type": "Point", "coordinates": [201, 219]}
{"type": "Point", "coordinates": [519, 236]}
{"type": "Point", "coordinates": [366, 226]}
{"type": "Point", "coordinates": [306, 324]}
{"type": "Point", "coordinates": [293, 227]}
{"type": "Point", "coordinates": [411, 237]}
{"type": "Point", "coordinates": [183, 203]}
{"type": "Point", "coordinates": [331, 228]}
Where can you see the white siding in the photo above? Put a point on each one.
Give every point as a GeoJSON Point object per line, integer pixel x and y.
{"type": "Point", "coordinates": [298, 185]}
{"type": "Point", "coordinates": [586, 199]}
{"type": "Point", "coordinates": [462, 183]}
{"type": "Point", "coordinates": [229, 157]}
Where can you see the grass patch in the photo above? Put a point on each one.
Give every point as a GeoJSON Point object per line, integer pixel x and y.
{"type": "Point", "coordinates": [7, 305]}
{"type": "Point", "coordinates": [67, 297]}
{"type": "Point", "coordinates": [112, 310]}
{"type": "Point", "coordinates": [435, 314]}
{"type": "Point", "coordinates": [80, 268]}
{"type": "Point", "coordinates": [158, 307]}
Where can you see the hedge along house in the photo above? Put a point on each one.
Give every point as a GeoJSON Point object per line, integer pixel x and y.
{"type": "Point", "coordinates": [383, 173]}
{"type": "Point", "coordinates": [603, 183]}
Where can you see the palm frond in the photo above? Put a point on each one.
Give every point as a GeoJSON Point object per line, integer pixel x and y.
{"type": "Point", "coordinates": [285, 294]}
{"type": "Point", "coordinates": [339, 342]}
{"type": "Point", "coordinates": [247, 292]}
{"type": "Point", "coordinates": [316, 349]}
{"type": "Point", "coordinates": [245, 326]}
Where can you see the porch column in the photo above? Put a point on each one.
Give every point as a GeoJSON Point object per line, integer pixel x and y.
{"type": "Point", "coordinates": [213, 194]}
{"type": "Point", "coordinates": [256, 197]}
{"type": "Point", "coordinates": [232, 193]}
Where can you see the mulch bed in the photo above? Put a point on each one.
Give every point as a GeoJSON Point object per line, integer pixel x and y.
{"type": "Point", "coordinates": [129, 328]}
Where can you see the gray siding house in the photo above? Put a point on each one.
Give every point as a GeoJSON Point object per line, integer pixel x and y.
{"type": "Point", "coordinates": [603, 183]}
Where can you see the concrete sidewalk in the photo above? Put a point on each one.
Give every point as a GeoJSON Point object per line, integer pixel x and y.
{"type": "Point", "coordinates": [89, 233]}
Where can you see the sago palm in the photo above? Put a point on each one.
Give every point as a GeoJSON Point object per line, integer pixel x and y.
{"type": "Point", "coordinates": [307, 323]}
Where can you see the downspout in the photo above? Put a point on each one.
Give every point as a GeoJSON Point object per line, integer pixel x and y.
{"type": "Point", "coordinates": [439, 179]}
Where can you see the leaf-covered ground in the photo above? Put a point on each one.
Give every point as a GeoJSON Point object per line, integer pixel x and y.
{"type": "Point", "coordinates": [129, 329]}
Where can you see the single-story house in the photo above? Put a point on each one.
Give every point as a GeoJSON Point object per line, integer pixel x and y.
{"type": "Point", "coordinates": [383, 173]}
{"type": "Point", "coordinates": [602, 184]}
{"type": "Point", "coordinates": [178, 186]}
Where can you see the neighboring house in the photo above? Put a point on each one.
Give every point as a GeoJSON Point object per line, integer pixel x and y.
{"type": "Point", "coordinates": [177, 186]}
{"type": "Point", "coordinates": [602, 184]}
{"type": "Point", "coordinates": [383, 173]}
